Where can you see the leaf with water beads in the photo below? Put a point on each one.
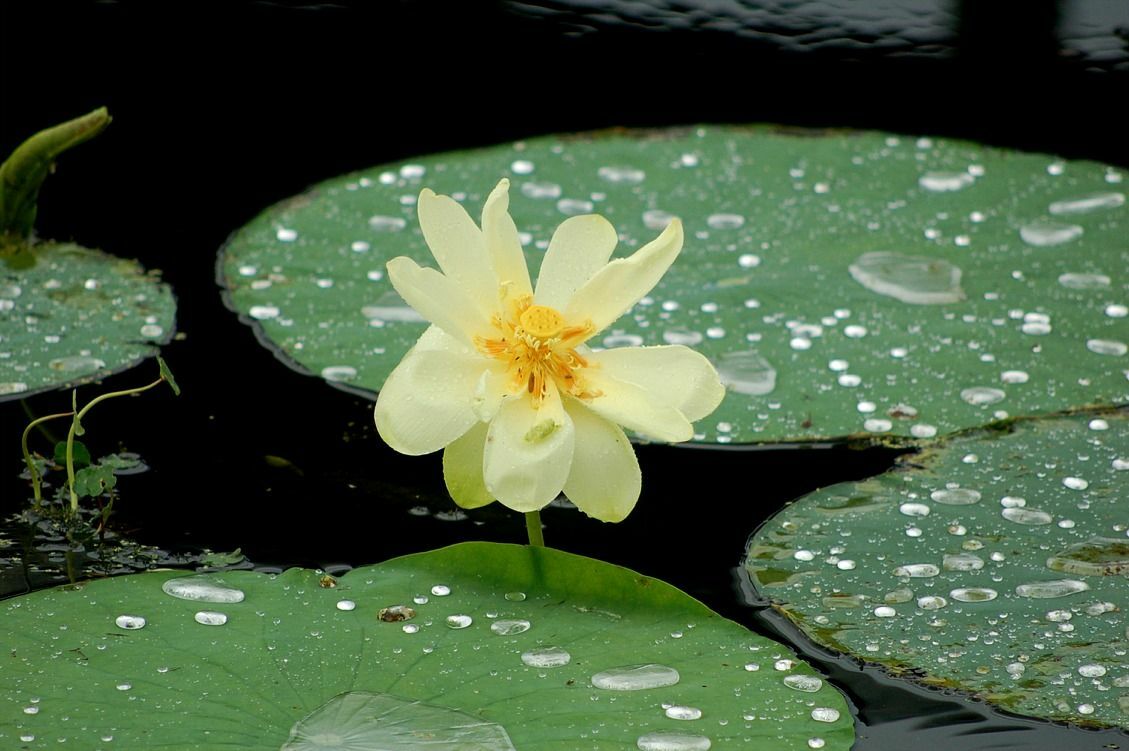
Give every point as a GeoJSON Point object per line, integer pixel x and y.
{"type": "Point", "coordinates": [995, 563]}
{"type": "Point", "coordinates": [843, 283]}
{"type": "Point", "coordinates": [494, 647]}
{"type": "Point", "coordinates": [76, 316]}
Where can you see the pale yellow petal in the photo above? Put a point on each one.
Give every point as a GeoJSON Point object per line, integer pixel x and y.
{"type": "Point", "coordinates": [673, 375]}
{"type": "Point", "coordinates": [438, 298]}
{"type": "Point", "coordinates": [529, 452]}
{"type": "Point", "coordinates": [502, 242]}
{"type": "Point", "coordinates": [458, 246]}
{"type": "Point", "coordinates": [605, 479]}
{"type": "Point", "coordinates": [580, 247]}
{"type": "Point", "coordinates": [634, 408]}
{"type": "Point", "coordinates": [462, 468]}
{"type": "Point", "coordinates": [615, 288]}
{"type": "Point", "coordinates": [426, 403]}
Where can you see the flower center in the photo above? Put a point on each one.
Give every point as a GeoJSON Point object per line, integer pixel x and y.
{"type": "Point", "coordinates": [539, 348]}
{"type": "Point", "coordinates": [542, 321]}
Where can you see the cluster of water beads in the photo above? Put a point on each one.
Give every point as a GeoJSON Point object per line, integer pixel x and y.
{"type": "Point", "coordinates": [907, 274]}
{"type": "Point", "coordinates": [980, 550]}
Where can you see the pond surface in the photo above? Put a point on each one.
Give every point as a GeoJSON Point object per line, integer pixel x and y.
{"type": "Point", "coordinates": [257, 457]}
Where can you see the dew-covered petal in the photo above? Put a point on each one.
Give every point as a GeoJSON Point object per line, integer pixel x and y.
{"type": "Point", "coordinates": [634, 408]}
{"type": "Point", "coordinates": [615, 288]}
{"type": "Point", "coordinates": [438, 298]}
{"type": "Point", "coordinates": [462, 468]}
{"type": "Point", "coordinates": [674, 375]}
{"type": "Point", "coordinates": [528, 451]}
{"type": "Point", "coordinates": [502, 241]}
{"type": "Point", "coordinates": [605, 480]}
{"type": "Point", "coordinates": [426, 403]}
{"type": "Point", "coordinates": [580, 247]}
{"type": "Point", "coordinates": [458, 246]}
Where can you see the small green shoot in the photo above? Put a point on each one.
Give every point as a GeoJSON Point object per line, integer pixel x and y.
{"type": "Point", "coordinates": [85, 477]}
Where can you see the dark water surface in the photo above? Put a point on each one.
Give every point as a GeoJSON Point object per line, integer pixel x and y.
{"type": "Point", "coordinates": [220, 113]}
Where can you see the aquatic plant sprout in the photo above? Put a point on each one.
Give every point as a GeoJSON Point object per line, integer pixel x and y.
{"type": "Point", "coordinates": [503, 380]}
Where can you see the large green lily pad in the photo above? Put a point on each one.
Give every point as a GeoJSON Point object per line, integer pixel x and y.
{"type": "Point", "coordinates": [77, 315]}
{"type": "Point", "coordinates": [843, 283]}
{"type": "Point", "coordinates": [504, 647]}
{"type": "Point", "coordinates": [996, 564]}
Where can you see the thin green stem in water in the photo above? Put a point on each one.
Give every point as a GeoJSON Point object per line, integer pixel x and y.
{"type": "Point", "coordinates": [36, 483]}
{"type": "Point", "coordinates": [533, 528]}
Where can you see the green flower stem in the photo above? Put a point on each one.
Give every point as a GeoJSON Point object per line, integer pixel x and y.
{"type": "Point", "coordinates": [533, 528]}
{"type": "Point", "coordinates": [76, 426]}
{"type": "Point", "coordinates": [36, 484]}
{"type": "Point", "coordinates": [23, 172]}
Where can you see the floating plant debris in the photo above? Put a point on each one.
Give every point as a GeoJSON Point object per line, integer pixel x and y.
{"type": "Point", "coordinates": [1012, 587]}
{"type": "Point", "coordinates": [968, 268]}
{"type": "Point", "coordinates": [288, 669]}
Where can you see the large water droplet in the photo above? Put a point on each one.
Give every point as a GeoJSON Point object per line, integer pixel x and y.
{"type": "Point", "coordinates": [679, 712]}
{"type": "Point", "coordinates": [202, 589]}
{"type": "Point", "coordinates": [264, 312]}
{"type": "Point", "coordinates": [1079, 280]}
{"type": "Point", "coordinates": [1107, 347]}
{"type": "Point", "coordinates": [1030, 516]}
{"type": "Point", "coordinates": [943, 182]}
{"type": "Point", "coordinates": [825, 714]}
{"type": "Point", "coordinates": [725, 221]}
{"type": "Point", "coordinates": [546, 657]}
{"type": "Point", "coordinates": [361, 720]}
{"type": "Point", "coordinates": [380, 223]}
{"type": "Point", "coordinates": [459, 621]}
{"type": "Point", "coordinates": [962, 562]}
{"type": "Point", "coordinates": [672, 741]}
{"type": "Point", "coordinates": [130, 622]}
{"type": "Point", "coordinates": [973, 594]}
{"type": "Point", "coordinates": [979, 396]}
{"type": "Point", "coordinates": [1050, 589]}
{"type": "Point", "coordinates": [210, 618]}
{"type": "Point", "coordinates": [1085, 204]}
{"type": "Point", "coordinates": [917, 570]}
{"type": "Point", "coordinates": [76, 364]}
{"type": "Point", "coordinates": [801, 682]}
{"type": "Point", "coordinates": [657, 219]}
{"type": "Point", "coordinates": [746, 372]}
{"type": "Point", "coordinates": [956, 496]}
{"type": "Point", "coordinates": [339, 373]}
{"type": "Point", "coordinates": [1097, 556]}
{"type": "Point", "coordinates": [911, 279]}
{"type": "Point", "coordinates": [1044, 233]}
{"type": "Point", "coordinates": [509, 626]}
{"type": "Point", "coordinates": [619, 175]}
{"type": "Point", "coordinates": [635, 677]}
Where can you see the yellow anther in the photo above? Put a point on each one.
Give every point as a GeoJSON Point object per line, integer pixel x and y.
{"type": "Point", "coordinates": [542, 321]}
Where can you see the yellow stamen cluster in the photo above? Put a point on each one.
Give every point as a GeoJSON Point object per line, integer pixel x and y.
{"type": "Point", "coordinates": [538, 348]}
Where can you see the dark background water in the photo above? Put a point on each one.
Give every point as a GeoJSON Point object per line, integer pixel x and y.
{"type": "Point", "coordinates": [223, 109]}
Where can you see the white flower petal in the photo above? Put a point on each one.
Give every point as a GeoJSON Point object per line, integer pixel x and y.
{"type": "Point", "coordinates": [438, 298]}
{"type": "Point", "coordinates": [502, 242]}
{"type": "Point", "coordinates": [673, 375]}
{"type": "Point", "coordinates": [605, 479]}
{"type": "Point", "coordinates": [528, 452]}
{"type": "Point", "coordinates": [458, 246]}
{"type": "Point", "coordinates": [426, 403]}
{"type": "Point", "coordinates": [620, 284]}
{"type": "Point", "coordinates": [580, 247]}
{"type": "Point", "coordinates": [634, 408]}
{"type": "Point", "coordinates": [462, 468]}
{"type": "Point", "coordinates": [492, 386]}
